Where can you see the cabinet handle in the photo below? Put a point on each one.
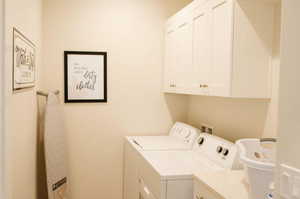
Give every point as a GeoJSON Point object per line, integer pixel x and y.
{"type": "Point", "coordinates": [182, 25]}
{"type": "Point", "coordinates": [199, 197]}
{"type": "Point", "coordinates": [203, 86]}
{"type": "Point", "coordinates": [197, 17]}
{"type": "Point", "coordinates": [219, 4]}
{"type": "Point", "coordinates": [172, 85]}
{"type": "Point", "coordinates": [171, 31]}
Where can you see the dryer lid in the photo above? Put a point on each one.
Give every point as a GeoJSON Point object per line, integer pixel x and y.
{"type": "Point", "coordinates": [173, 165]}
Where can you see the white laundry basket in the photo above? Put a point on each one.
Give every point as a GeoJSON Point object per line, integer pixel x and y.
{"type": "Point", "coordinates": [258, 159]}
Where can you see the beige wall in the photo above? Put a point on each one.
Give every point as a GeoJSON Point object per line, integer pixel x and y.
{"type": "Point", "coordinates": [241, 118]}
{"type": "Point", "coordinates": [131, 31]}
{"type": "Point", "coordinates": [20, 107]}
{"type": "Point", "coordinates": [289, 97]}
{"type": "Point", "coordinates": [231, 118]}
{"type": "Point", "coordinates": [1, 97]}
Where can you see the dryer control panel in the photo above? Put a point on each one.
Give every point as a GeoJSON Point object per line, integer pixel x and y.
{"type": "Point", "coordinates": [219, 150]}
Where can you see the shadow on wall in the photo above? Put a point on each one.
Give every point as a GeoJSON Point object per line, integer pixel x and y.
{"type": "Point", "coordinates": [232, 118]}
{"type": "Point", "coordinates": [41, 180]}
{"type": "Point", "coordinates": [252, 11]}
{"type": "Point", "coordinates": [177, 107]}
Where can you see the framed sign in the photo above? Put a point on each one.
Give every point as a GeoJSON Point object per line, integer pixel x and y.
{"type": "Point", "coordinates": [24, 64]}
{"type": "Point", "coordinates": [85, 76]}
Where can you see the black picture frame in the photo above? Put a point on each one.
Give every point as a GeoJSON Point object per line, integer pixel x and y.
{"type": "Point", "coordinates": [66, 78]}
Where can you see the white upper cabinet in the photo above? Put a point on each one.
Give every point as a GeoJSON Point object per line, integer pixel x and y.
{"type": "Point", "coordinates": [220, 48]}
{"type": "Point", "coordinates": [183, 56]}
{"type": "Point", "coordinates": [170, 64]}
{"type": "Point", "coordinates": [179, 55]}
{"type": "Point", "coordinates": [200, 76]}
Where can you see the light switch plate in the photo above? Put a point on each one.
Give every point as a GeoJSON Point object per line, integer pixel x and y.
{"type": "Point", "coordinates": [289, 182]}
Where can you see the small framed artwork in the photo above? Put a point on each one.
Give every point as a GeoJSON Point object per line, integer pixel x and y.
{"type": "Point", "coordinates": [85, 77]}
{"type": "Point", "coordinates": [24, 61]}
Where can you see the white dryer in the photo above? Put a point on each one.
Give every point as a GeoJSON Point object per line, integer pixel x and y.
{"type": "Point", "coordinates": [169, 174]}
{"type": "Point", "coordinates": [181, 137]}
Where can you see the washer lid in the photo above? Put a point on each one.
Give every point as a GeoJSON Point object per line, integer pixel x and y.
{"type": "Point", "coordinates": [149, 143]}
{"type": "Point", "coordinates": [181, 137]}
{"type": "Point", "coordinates": [179, 164]}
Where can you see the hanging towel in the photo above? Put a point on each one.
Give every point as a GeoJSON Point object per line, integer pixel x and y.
{"type": "Point", "coordinates": [55, 149]}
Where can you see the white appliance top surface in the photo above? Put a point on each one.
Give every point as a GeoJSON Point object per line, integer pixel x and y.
{"type": "Point", "coordinates": [179, 164]}
{"type": "Point", "coordinates": [159, 143]}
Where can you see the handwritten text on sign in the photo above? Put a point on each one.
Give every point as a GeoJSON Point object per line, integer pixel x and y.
{"type": "Point", "coordinates": [85, 77]}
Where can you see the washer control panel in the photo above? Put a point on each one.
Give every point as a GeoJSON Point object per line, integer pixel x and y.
{"type": "Point", "coordinates": [185, 132]}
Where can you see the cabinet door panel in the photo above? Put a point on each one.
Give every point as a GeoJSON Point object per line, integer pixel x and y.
{"type": "Point", "coordinates": [184, 54]}
{"type": "Point", "coordinates": [170, 62]}
{"type": "Point", "coordinates": [201, 51]}
{"type": "Point", "coordinates": [221, 16]}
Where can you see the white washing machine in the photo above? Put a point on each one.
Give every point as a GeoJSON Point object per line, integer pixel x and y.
{"type": "Point", "coordinates": [181, 137]}
{"type": "Point", "coordinates": [169, 174]}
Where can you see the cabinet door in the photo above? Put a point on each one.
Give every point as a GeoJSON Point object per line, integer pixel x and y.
{"type": "Point", "coordinates": [170, 61]}
{"type": "Point", "coordinates": [201, 51]}
{"type": "Point", "coordinates": [183, 54]}
{"type": "Point", "coordinates": [221, 17]}
{"type": "Point", "coordinates": [203, 192]}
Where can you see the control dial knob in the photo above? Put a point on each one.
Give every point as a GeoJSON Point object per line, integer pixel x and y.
{"type": "Point", "coordinates": [219, 149]}
{"type": "Point", "coordinates": [201, 141]}
{"type": "Point", "coordinates": [225, 152]}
